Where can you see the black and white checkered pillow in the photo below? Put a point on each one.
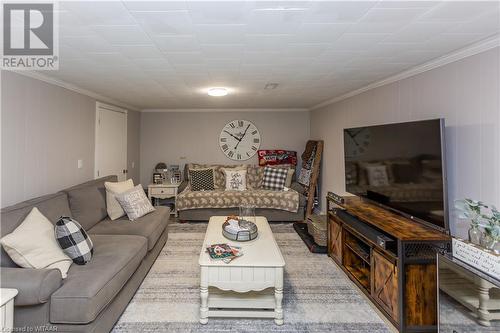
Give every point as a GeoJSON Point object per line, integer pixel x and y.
{"type": "Point", "coordinates": [202, 179]}
{"type": "Point", "coordinates": [74, 240]}
{"type": "Point", "coordinates": [274, 179]}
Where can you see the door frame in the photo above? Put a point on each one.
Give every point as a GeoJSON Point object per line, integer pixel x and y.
{"type": "Point", "coordinates": [106, 107]}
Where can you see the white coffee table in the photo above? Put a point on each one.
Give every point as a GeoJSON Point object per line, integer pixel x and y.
{"type": "Point", "coordinates": [250, 286]}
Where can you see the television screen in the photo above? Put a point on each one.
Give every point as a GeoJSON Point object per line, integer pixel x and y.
{"type": "Point", "coordinates": [399, 166]}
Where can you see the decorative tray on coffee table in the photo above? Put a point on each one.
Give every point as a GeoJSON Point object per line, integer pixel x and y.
{"type": "Point", "coordinates": [238, 229]}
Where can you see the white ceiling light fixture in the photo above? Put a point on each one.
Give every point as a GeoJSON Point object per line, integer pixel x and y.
{"type": "Point", "coordinates": [217, 92]}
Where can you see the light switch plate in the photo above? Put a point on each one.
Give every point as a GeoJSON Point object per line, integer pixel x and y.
{"type": "Point", "coordinates": [80, 164]}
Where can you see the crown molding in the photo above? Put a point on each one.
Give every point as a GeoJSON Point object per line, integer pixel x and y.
{"type": "Point", "coordinates": [476, 48]}
{"type": "Point", "coordinates": [225, 110]}
{"type": "Point", "coordinates": [75, 88]}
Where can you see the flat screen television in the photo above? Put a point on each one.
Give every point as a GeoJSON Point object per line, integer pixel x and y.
{"type": "Point", "coordinates": [401, 167]}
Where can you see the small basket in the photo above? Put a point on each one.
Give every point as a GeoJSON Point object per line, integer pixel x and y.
{"type": "Point", "coordinates": [316, 226]}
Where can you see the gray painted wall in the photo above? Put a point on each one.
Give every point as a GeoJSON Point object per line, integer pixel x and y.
{"type": "Point", "coordinates": [46, 129]}
{"type": "Point", "coordinates": [133, 145]}
{"type": "Point", "coordinates": [180, 137]}
{"type": "Point", "coordinates": [465, 93]}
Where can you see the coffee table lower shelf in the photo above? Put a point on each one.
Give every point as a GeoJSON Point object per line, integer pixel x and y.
{"type": "Point", "coordinates": [252, 304]}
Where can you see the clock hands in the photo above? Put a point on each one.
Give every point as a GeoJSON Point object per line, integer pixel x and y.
{"type": "Point", "coordinates": [234, 136]}
{"type": "Point", "coordinates": [244, 133]}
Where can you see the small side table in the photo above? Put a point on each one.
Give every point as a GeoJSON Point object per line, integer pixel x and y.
{"type": "Point", "coordinates": [164, 191]}
{"type": "Point", "coordinates": [7, 309]}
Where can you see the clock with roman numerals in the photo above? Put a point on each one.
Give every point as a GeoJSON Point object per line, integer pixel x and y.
{"type": "Point", "coordinates": [239, 140]}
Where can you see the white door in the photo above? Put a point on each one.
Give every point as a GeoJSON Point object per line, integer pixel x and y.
{"type": "Point", "coordinates": [111, 141]}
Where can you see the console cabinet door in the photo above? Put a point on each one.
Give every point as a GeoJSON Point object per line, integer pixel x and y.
{"type": "Point", "coordinates": [334, 239]}
{"type": "Point", "coordinates": [385, 284]}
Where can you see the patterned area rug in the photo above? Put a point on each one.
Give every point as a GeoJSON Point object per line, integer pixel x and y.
{"type": "Point", "coordinates": [317, 295]}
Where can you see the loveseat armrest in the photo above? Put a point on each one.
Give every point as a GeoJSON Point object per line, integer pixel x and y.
{"type": "Point", "coordinates": [298, 187]}
{"type": "Point", "coordinates": [183, 185]}
{"type": "Point", "coordinates": [34, 285]}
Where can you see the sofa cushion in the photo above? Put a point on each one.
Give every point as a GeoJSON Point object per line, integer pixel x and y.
{"type": "Point", "coordinates": [87, 201]}
{"type": "Point", "coordinates": [150, 226]}
{"type": "Point", "coordinates": [219, 178]}
{"type": "Point", "coordinates": [34, 285]}
{"type": "Point", "coordinates": [113, 207]}
{"type": "Point", "coordinates": [283, 200]}
{"type": "Point", "coordinates": [88, 289]}
{"type": "Point", "coordinates": [51, 206]}
{"type": "Point", "coordinates": [33, 244]}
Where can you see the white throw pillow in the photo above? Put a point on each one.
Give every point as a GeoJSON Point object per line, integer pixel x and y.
{"type": "Point", "coordinates": [112, 189]}
{"type": "Point", "coordinates": [33, 244]}
{"type": "Point", "coordinates": [135, 203]}
{"type": "Point", "coordinates": [236, 179]}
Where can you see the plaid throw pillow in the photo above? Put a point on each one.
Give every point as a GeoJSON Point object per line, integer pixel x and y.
{"type": "Point", "coordinates": [73, 240]}
{"type": "Point", "coordinates": [202, 179]}
{"type": "Point", "coordinates": [274, 179]}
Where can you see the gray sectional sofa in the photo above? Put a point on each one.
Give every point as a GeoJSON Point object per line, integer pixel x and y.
{"type": "Point", "coordinates": [93, 296]}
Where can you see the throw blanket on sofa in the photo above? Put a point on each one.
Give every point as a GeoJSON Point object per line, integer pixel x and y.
{"type": "Point", "coordinates": [283, 200]}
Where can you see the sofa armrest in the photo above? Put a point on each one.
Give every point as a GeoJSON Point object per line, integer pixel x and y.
{"type": "Point", "coordinates": [298, 187]}
{"type": "Point", "coordinates": [182, 186]}
{"type": "Point", "coordinates": [34, 285]}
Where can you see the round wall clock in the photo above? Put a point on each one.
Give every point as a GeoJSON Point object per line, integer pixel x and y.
{"type": "Point", "coordinates": [239, 140]}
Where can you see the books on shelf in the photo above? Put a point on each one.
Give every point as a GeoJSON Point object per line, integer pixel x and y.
{"type": "Point", "coordinates": [224, 252]}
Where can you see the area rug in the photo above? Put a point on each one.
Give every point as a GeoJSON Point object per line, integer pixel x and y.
{"type": "Point", "coordinates": [318, 297]}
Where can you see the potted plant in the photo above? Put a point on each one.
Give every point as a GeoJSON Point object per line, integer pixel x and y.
{"type": "Point", "coordinates": [471, 210]}
{"type": "Point", "coordinates": [491, 237]}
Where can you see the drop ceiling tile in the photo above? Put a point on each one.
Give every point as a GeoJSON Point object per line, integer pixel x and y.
{"type": "Point", "coordinates": [260, 43]}
{"type": "Point", "coordinates": [406, 4]}
{"type": "Point", "coordinates": [222, 50]}
{"type": "Point", "coordinates": [488, 23]}
{"type": "Point", "coordinates": [110, 59]}
{"type": "Point", "coordinates": [336, 56]}
{"type": "Point", "coordinates": [384, 15]}
{"type": "Point", "coordinates": [218, 62]}
{"type": "Point", "coordinates": [321, 32]}
{"type": "Point", "coordinates": [183, 58]}
{"type": "Point", "coordinates": [88, 43]}
{"type": "Point", "coordinates": [219, 12]}
{"type": "Point", "coordinates": [122, 34]}
{"type": "Point", "coordinates": [419, 32]}
{"type": "Point", "coordinates": [262, 58]}
{"type": "Point", "coordinates": [304, 50]}
{"type": "Point", "coordinates": [192, 69]}
{"type": "Point", "coordinates": [377, 27]}
{"type": "Point", "coordinates": [221, 33]}
{"type": "Point", "coordinates": [459, 11]}
{"type": "Point", "coordinates": [98, 12]}
{"type": "Point", "coordinates": [335, 12]}
{"type": "Point", "coordinates": [135, 51]}
{"type": "Point", "coordinates": [275, 21]}
{"type": "Point", "coordinates": [415, 56]}
{"type": "Point", "coordinates": [150, 64]}
{"type": "Point", "coordinates": [155, 6]}
{"type": "Point", "coordinates": [356, 41]}
{"type": "Point", "coordinates": [176, 43]}
{"type": "Point", "coordinates": [449, 42]}
{"type": "Point", "coordinates": [165, 23]}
